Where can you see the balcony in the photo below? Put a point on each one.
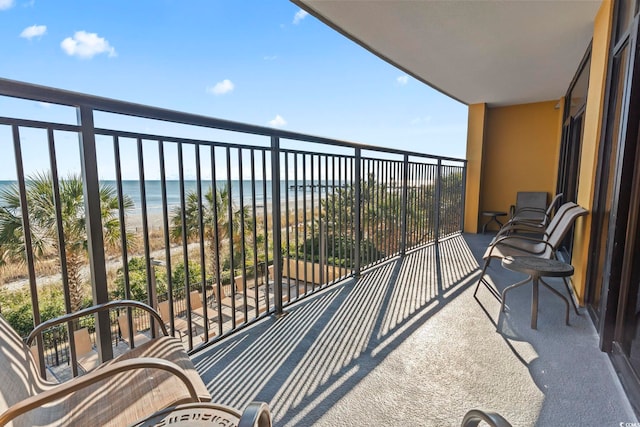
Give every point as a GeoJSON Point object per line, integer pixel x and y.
{"type": "Point", "coordinates": [408, 344]}
{"type": "Point", "coordinates": [327, 278]}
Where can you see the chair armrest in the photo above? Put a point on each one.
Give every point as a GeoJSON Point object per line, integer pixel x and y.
{"type": "Point", "coordinates": [95, 309]}
{"type": "Point", "coordinates": [506, 241]}
{"type": "Point", "coordinates": [522, 225]}
{"type": "Point", "coordinates": [79, 383]}
{"type": "Point", "coordinates": [256, 414]}
{"type": "Point", "coordinates": [475, 416]}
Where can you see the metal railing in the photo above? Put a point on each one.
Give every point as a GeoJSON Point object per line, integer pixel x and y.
{"type": "Point", "coordinates": [246, 219]}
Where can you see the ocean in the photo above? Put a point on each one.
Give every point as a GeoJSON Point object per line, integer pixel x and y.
{"type": "Point", "coordinates": [153, 190]}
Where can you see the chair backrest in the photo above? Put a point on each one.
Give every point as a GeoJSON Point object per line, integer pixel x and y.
{"type": "Point", "coordinates": [124, 326]}
{"type": "Point", "coordinates": [223, 290]}
{"type": "Point", "coordinates": [531, 204]}
{"type": "Point", "coordinates": [83, 341]}
{"type": "Point", "coordinates": [564, 224]}
{"type": "Point", "coordinates": [163, 308]}
{"type": "Point", "coordinates": [19, 375]}
{"type": "Point", "coordinates": [553, 224]}
{"type": "Point", "coordinates": [194, 300]}
{"type": "Point", "coordinates": [553, 204]}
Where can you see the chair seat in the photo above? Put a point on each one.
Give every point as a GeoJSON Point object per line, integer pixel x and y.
{"type": "Point", "coordinates": [145, 388]}
{"type": "Point", "coordinates": [517, 247]}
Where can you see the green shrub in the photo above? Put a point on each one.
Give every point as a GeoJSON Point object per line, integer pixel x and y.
{"type": "Point", "coordinates": [138, 281]}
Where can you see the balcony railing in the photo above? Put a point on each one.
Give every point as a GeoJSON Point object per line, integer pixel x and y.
{"type": "Point", "coordinates": [228, 222]}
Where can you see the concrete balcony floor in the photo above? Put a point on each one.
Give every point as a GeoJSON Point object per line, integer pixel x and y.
{"type": "Point", "coordinates": [408, 344]}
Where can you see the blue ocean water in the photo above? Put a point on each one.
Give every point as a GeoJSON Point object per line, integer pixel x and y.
{"type": "Point", "coordinates": [153, 191]}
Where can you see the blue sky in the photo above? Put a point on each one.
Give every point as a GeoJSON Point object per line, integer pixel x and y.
{"type": "Point", "coordinates": [256, 61]}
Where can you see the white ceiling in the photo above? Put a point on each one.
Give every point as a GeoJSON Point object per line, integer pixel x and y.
{"type": "Point", "coordinates": [501, 52]}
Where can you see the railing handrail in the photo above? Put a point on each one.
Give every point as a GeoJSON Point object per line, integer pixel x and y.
{"type": "Point", "coordinates": [22, 90]}
{"type": "Point", "coordinates": [358, 207]}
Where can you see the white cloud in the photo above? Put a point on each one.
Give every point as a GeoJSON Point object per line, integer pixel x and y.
{"type": "Point", "coordinates": [421, 120]}
{"type": "Point", "coordinates": [403, 80]}
{"type": "Point", "coordinates": [270, 58]}
{"type": "Point", "coordinates": [33, 31]}
{"type": "Point", "coordinates": [221, 88]}
{"type": "Point", "coordinates": [86, 45]}
{"type": "Point", "coordinates": [6, 4]}
{"type": "Point", "coordinates": [299, 16]}
{"type": "Point", "coordinates": [278, 121]}
{"type": "Point", "coordinates": [44, 104]}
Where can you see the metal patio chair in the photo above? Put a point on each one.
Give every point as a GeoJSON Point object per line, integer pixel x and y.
{"type": "Point", "coordinates": [544, 247]}
{"type": "Point", "coordinates": [530, 205]}
{"type": "Point", "coordinates": [156, 375]}
{"type": "Point", "coordinates": [528, 220]}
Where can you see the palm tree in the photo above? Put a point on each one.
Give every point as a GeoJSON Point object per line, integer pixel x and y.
{"type": "Point", "coordinates": [42, 218]}
{"type": "Point", "coordinates": [240, 218]}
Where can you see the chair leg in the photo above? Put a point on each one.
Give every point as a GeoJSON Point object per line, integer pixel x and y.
{"type": "Point", "coordinates": [493, 291]}
{"type": "Point", "coordinates": [484, 269]}
{"type": "Point", "coordinates": [566, 284]}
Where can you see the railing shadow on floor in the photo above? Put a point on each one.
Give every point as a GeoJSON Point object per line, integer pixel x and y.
{"type": "Point", "coordinates": [316, 354]}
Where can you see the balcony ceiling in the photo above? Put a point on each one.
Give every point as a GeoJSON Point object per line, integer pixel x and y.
{"type": "Point", "coordinates": [498, 52]}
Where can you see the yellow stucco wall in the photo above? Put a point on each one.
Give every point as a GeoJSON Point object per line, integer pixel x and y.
{"type": "Point", "coordinates": [521, 147]}
{"type": "Point", "coordinates": [590, 143]}
{"type": "Point", "coordinates": [475, 141]}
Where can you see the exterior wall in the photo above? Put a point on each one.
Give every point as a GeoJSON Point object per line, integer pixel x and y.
{"type": "Point", "coordinates": [590, 143]}
{"type": "Point", "coordinates": [475, 142]}
{"type": "Point", "coordinates": [521, 149]}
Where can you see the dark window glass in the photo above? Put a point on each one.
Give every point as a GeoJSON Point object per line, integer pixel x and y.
{"type": "Point", "coordinates": [626, 12]}
{"type": "Point", "coordinates": [610, 153]}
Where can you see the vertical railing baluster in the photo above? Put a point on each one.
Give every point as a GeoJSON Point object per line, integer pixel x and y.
{"type": "Point", "coordinates": [287, 211]}
{"type": "Point", "coordinates": [230, 231]}
{"type": "Point", "coordinates": [312, 220]}
{"type": "Point", "coordinates": [62, 252]}
{"type": "Point", "coordinates": [276, 219]}
{"type": "Point", "coordinates": [151, 291]}
{"type": "Point", "coordinates": [123, 229]}
{"type": "Point", "coordinates": [343, 187]}
{"type": "Point", "coordinates": [297, 225]}
{"type": "Point", "coordinates": [185, 243]}
{"type": "Point", "coordinates": [265, 226]}
{"type": "Point", "coordinates": [463, 195]}
{"type": "Point", "coordinates": [216, 239]}
{"type": "Point", "coordinates": [243, 240]}
{"type": "Point", "coordinates": [254, 224]}
{"type": "Point", "coordinates": [304, 224]}
{"type": "Point", "coordinates": [437, 201]}
{"type": "Point", "coordinates": [93, 223]}
{"type": "Point", "coordinates": [167, 241]}
{"type": "Point", "coordinates": [201, 245]}
{"type": "Point", "coordinates": [403, 204]}
{"type": "Point", "coordinates": [357, 214]}
{"type": "Point", "coordinates": [28, 247]}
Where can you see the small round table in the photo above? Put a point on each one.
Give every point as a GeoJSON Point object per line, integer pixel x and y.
{"type": "Point", "coordinates": [204, 414]}
{"type": "Point", "coordinates": [494, 218]}
{"type": "Point", "coordinates": [536, 268]}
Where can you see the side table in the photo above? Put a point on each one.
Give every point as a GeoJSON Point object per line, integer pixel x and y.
{"type": "Point", "coordinates": [209, 414]}
{"type": "Point", "coordinates": [494, 218]}
{"type": "Point", "coordinates": [537, 268]}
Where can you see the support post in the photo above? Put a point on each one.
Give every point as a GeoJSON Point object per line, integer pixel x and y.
{"type": "Point", "coordinates": [437, 202]}
{"type": "Point", "coordinates": [276, 224]}
{"type": "Point", "coordinates": [93, 221]}
{"type": "Point", "coordinates": [463, 195]}
{"type": "Point", "coordinates": [357, 219]}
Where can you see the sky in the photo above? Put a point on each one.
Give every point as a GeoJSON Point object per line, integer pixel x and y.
{"type": "Point", "coordinates": [263, 62]}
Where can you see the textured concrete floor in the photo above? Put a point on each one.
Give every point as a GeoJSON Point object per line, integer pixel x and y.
{"type": "Point", "coordinates": [408, 344]}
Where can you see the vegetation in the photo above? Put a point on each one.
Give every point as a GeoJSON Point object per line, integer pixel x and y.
{"type": "Point", "coordinates": [218, 225]}
{"type": "Point", "coordinates": [43, 227]}
{"type": "Point", "coordinates": [222, 223]}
